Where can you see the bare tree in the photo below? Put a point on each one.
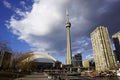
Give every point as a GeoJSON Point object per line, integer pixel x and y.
{"type": "Point", "coordinates": [5, 46]}
{"type": "Point", "coordinates": [24, 62]}
{"type": "Point", "coordinates": [15, 59]}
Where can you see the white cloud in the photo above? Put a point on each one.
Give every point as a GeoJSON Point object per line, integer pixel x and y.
{"type": "Point", "coordinates": [82, 45]}
{"type": "Point", "coordinates": [83, 41]}
{"type": "Point", "coordinates": [22, 3]}
{"type": "Point", "coordinates": [86, 44]}
{"type": "Point", "coordinates": [80, 50]}
{"type": "Point", "coordinates": [41, 19]}
{"type": "Point", "coordinates": [7, 4]}
{"type": "Point", "coordinates": [90, 57]}
{"type": "Point", "coordinates": [20, 13]}
{"type": "Point", "coordinates": [34, 27]}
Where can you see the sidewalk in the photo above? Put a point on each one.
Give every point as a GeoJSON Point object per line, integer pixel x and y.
{"type": "Point", "coordinates": [34, 76]}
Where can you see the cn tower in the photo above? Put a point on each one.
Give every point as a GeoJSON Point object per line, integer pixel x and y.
{"type": "Point", "coordinates": [68, 51]}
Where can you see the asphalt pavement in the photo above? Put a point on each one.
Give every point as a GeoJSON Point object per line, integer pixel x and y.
{"type": "Point", "coordinates": [34, 76]}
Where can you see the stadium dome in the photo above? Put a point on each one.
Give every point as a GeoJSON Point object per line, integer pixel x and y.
{"type": "Point", "coordinates": [40, 57]}
{"type": "Point", "coordinates": [39, 61]}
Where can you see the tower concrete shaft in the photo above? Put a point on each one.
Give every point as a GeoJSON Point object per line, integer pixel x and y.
{"type": "Point", "coordinates": [68, 52]}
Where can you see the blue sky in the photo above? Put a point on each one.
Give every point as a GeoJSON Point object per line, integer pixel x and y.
{"type": "Point", "coordinates": [39, 25]}
{"type": "Point", "coordinates": [6, 34]}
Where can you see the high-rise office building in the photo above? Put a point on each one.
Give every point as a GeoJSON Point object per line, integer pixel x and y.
{"type": "Point", "coordinates": [68, 51]}
{"type": "Point", "coordinates": [77, 60]}
{"type": "Point", "coordinates": [103, 54]}
{"type": "Point", "coordinates": [116, 41]}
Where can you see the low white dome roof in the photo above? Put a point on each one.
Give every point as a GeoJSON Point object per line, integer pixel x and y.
{"type": "Point", "coordinates": [41, 57]}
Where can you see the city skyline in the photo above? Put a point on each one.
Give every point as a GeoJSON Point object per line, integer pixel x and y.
{"type": "Point", "coordinates": [21, 24]}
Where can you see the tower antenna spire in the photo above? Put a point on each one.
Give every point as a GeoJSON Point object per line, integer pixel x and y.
{"type": "Point", "coordinates": [67, 16]}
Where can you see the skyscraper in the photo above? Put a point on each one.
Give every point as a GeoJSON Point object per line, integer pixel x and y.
{"type": "Point", "coordinates": [68, 51]}
{"type": "Point", "coordinates": [77, 60]}
{"type": "Point", "coordinates": [103, 54]}
{"type": "Point", "coordinates": [116, 41]}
